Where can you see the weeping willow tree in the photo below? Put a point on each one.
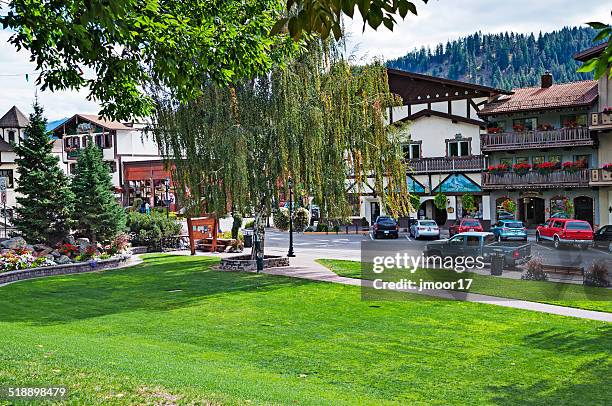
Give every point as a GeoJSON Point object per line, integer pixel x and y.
{"type": "Point", "coordinates": [317, 120]}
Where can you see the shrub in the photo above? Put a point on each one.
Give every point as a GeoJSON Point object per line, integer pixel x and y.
{"type": "Point", "coordinates": [300, 219]}
{"type": "Point", "coordinates": [228, 235]}
{"type": "Point", "coordinates": [119, 244]}
{"type": "Point", "coordinates": [597, 274]}
{"type": "Point", "coordinates": [149, 229]}
{"type": "Point", "coordinates": [534, 271]}
{"type": "Point", "coordinates": [365, 222]}
{"type": "Point", "coordinates": [322, 227]}
{"type": "Point", "coordinates": [509, 205]}
{"type": "Point", "coordinates": [281, 219]}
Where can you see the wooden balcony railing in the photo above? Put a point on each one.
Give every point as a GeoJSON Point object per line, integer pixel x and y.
{"type": "Point", "coordinates": [475, 163]}
{"type": "Point", "coordinates": [533, 179]}
{"type": "Point", "coordinates": [563, 137]}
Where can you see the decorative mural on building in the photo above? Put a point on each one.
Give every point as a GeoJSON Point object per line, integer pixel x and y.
{"type": "Point", "coordinates": [457, 183]}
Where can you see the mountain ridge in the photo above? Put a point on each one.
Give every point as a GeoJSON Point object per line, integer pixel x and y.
{"type": "Point", "coordinates": [503, 60]}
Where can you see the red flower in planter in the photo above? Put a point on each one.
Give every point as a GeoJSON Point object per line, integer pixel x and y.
{"type": "Point", "coordinates": [521, 169]}
{"type": "Point", "coordinates": [546, 167]}
{"type": "Point", "coordinates": [607, 167]}
{"type": "Point", "coordinates": [497, 169]}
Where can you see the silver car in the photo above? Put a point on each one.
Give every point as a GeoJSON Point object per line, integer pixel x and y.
{"type": "Point", "coordinates": [425, 228]}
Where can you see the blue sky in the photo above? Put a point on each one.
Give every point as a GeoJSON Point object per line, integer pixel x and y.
{"type": "Point", "coordinates": [438, 21]}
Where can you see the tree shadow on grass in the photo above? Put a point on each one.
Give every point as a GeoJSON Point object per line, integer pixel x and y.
{"type": "Point", "coordinates": [161, 283]}
{"type": "Point", "coordinates": [586, 384]}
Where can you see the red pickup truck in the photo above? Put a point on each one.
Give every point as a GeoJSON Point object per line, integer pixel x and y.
{"type": "Point", "coordinates": [465, 225]}
{"type": "Point", "coordinates": [566, 232]}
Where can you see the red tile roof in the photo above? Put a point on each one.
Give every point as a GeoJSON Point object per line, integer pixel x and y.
{"type": "Point", "coordinates": [573, 94]}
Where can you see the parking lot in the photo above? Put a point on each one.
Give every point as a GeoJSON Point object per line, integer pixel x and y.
{"type": "Point", "coordinates": [348, 246]}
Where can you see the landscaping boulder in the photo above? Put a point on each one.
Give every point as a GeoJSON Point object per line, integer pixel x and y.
{"type": "Point", "coordinates": [56, 254]}
{"type": "Point", "coordinates": [50, 258]}
{"type": "Point", "coordinates": [63, 260]}
{"type": "Point", "coordinates": [14, 243]}
{"type": "Point", "coordinates": [69, 239]}
{"type": "Point", "coordinates": [83, 243]}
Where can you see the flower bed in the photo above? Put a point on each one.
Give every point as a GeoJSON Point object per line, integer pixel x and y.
{"type": "Point", "coordinates": [65, 269]}
{"type": "Point", "coordinates": [17, 255]}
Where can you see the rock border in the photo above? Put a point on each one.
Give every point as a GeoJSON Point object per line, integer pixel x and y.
{"type": "Point", "coordinates": [245, 263]}
{"type": "Point", "coordinates": [64, 269]}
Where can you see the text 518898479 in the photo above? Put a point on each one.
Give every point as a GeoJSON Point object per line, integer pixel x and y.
{"type": "Point", "coordinates": [33, 392]}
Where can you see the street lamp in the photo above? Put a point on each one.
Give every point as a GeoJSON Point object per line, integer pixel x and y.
{"type": "Point", "coordinates": [290, 184]}
{"type": "Point", "coordinates": [167, 197]}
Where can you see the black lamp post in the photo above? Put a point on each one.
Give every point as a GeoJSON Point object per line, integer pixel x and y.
{"type": "Point", "coordinates": [167, 198]}
{"type": "Point", "coordinates": [290, 184]}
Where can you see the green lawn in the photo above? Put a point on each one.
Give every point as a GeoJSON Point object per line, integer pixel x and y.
{"type": "Point", "coordinates": [172, 331]}
{"type": "Point", "coordinates": [564, 294]}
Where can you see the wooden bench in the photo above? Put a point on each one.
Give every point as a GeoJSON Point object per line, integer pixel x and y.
{"type": "Point", "coordinates": [205, 244]}
{"type": "Point", "coordinates": [563, 269]}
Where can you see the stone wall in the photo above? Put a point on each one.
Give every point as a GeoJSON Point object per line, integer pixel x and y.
{"type": "Point", "coordinates": [245, 263]}
{"type": "Point", "coordinates": [77, 267]}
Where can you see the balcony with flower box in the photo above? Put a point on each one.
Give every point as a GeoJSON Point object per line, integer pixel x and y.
{"type": "Point", "coordinates": [544, 137]}
{"type": "Point", "coordinates": [544, 175]}
{"type": "Point", "coordinates": [601, 176]}
{"type": "Point", "coordinates": [601, 120]}
{"type": "Point", "coordinates": [472, 163]}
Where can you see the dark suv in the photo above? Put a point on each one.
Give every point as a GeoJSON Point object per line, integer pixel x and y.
{"type": "Point", "coordinates": [384, 227]}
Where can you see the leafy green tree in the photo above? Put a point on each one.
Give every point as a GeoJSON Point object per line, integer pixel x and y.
{"type": "Point", "coordinates": [118, 48]}
{"type": "Point", "coordinates": [44, 199]}
{"type": "Point", "coordinates": [318, 120]}
{"type": "Point", "coordinates": [603, 63]}
{"type": "Point", "coordinates": [97, 214]}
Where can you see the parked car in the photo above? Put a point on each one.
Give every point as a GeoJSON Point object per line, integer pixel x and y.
{"type": "Point", "coordinates": [474, 244]}
{"type": "Point", "coordinates": [464, 225]}
{"type": "Point", "coordinates": [384, 227]}
{"type": "Point", "coordinates": [565, 232]}
{"type": "Point", "coordinates": [425, 228]}
{"type": "Point", "coordinates": [509, 230]}
{"type": "Point", "coordinates": [602, 238]}
{"type": "Point", "coordinates": [504, 215]}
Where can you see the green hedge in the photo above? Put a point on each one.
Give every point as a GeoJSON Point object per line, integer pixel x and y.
{"type": "Point", "coordinates": [149, 229]}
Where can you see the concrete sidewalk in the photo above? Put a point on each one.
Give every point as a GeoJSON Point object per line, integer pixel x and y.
{"type": "Point", "coordinates": [305, 268]}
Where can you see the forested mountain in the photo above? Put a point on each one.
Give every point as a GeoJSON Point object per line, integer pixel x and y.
{"type": "Point", "coordinates": [505, 60]}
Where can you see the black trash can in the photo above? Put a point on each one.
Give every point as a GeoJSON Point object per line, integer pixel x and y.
{"type": "Point", "coordinates": [497, 263]}
{"type": "Point", "coordinates": [248, 238]}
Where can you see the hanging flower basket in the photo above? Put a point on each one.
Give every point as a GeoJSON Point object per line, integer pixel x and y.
{"type": "Point", "coordinates": [498, 169]}
{"type": "Point", "coordinates": [546, 168]}
{"type": "Point", "coordinates": [521, 169]}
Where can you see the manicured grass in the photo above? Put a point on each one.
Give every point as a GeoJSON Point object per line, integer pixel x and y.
{"type": "Point", "coordinates": [571, 295]}
{"type": "Point", "coordinates": [172, 331]}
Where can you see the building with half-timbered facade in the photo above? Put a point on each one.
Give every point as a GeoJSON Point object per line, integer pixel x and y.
{"type": "Point", "coordinates": [441, 145]}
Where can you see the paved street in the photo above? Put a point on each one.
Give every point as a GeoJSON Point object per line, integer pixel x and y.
{"type": "Point", "coordinates": [348, 246]}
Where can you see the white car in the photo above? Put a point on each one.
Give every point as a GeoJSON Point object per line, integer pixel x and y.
{"type": "Point", "coordinates": [425, 228]}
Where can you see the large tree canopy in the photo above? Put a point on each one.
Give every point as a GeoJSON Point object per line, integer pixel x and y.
{"type": "Point", "coordinates": [319, 121]}
{"type": "Point", "coordinates": [116, 48]}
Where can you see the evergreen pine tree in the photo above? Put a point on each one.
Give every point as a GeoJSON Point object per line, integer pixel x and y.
{"type": "Point", "coordinates": [98, 215]}
{"type": "Point", "coordinates": [44, 199]}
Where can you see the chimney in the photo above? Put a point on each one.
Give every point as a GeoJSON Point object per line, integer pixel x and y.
{"type": "Point", "coordinates": [547, 80]}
